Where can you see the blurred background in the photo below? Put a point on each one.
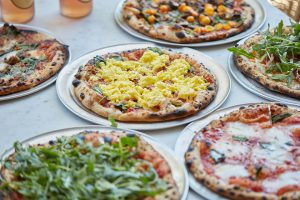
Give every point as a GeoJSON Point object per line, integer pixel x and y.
{"type": "Point", "coordinates": [290, 7]}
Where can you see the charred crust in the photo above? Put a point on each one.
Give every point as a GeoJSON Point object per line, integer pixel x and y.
{"type": "Point", "coordinates": [53, 64]}
{"type": "Point", "coordinates": [191, 148]}
{"type": "Point", "coordinates": [180, 34]}
{"type": "Point", "coordinates": [189, 163]}
{"type": "Point", "coordinates": [82, 96]}
{"type": "Point", "coordinates": [75, 82]}
{"type": "Point", "coordinates": [281, 105]}
{"type": "Point", "coordinates": [107, 139]}
{"type": "Point", "coordinates": [130, 134]}
{"type": "Point", "coordinates": [78, 75]}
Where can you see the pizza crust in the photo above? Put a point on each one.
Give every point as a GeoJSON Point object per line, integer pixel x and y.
{"type": "Point", "coordinates": [93, 100]}
{"type": "Point", "coordinates": [235, 192]}
{"type": "Point", "coordinates": [250, 69]}
{"type": "Point", "coordinates": [169, 33]}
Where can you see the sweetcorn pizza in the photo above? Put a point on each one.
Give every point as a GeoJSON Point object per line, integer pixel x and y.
{"type": "Point", "coordinates": [150, 84]}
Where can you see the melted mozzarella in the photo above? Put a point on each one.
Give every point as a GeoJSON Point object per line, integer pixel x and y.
{"type": "Point", "coordinates": [225, 171]}
{"type": "Point", "coordinates": [241, 129]}
{"type": "Point", "coordinates": [287, 178]}
{"type": "Point", "coordinates": [277, 135]}
{"type": "Point", "coordinates": [231, 149]}
{"type": "Point", "coordinates": [271, 156]}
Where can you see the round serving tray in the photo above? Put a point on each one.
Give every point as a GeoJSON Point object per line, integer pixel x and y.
{"type": "Point", "coordinates": [66, 94]}
{"type": "Point", "coordinates": [185, 138]}
{"type": "Point", "coordinates": [260, 18]}
{"type": "Point", "coordinates": [178, 170]}
{"type": "Point", "coordinates": [51, 79]}
{"type": "Point", "coordinates": [255, 87]}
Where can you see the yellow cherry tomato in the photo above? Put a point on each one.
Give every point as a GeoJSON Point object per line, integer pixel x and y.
{"type": "Point", "coordinates": [218, 26]}
{"type": "Point", "coordinates": [198, 30]}
{"type": "Point", "coordinates": [226, 26]}
{"type": "Point", "coordinates": [151, 19]}
{"type": "Point", "coordinates": [150, 11]}
{"type": "Point", "coordinates": [190, 19]}
{"type": "Point", "coordinates": [232, 23]}
{"type": "Point", "coordinates": [222, 9]}
{"type": "Point", "coordinates": [163, 8]}
{"type": "Point", "coordinates": [205, 20]}
{"type": "Point", "coordinates": [181, 7]}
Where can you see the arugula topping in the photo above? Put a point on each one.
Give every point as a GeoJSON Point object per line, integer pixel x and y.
{"type": "Point", "coordinates": [240, 52]}
{"type": "Point", "coordinates": [217, 156]}
{"type": "Point", "coordinates": [281, 47]}
{"type": "Point", "coordinates": [280, 117]}
{"type": "Point", "coordinates": [121, 106]}
{"type": "Point", "coordinates": [112, 121]}
{"type": "Point", "coordinates": [240, 138]}
{"type": "Point", "coordinates": [73, 169]}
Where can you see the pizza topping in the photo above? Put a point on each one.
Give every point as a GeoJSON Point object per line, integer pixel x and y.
{"type": "Point", "coordinates": [226, 171]}
{"type": "Point", "coordinates": [263, 159]}
{"type": "Point", "coordinates": [85, 167]}
{"type": "Point", "coordinates": [148, 81]}
{"type": "Point", "coordinates": [277, 52]}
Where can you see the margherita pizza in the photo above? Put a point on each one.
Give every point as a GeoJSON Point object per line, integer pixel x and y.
{"type": "Point", "coordinates": [149, 84]}
{"type": "Point", "coordinates": [251, 153]}
{"type": "Point", "coordinates": [90, 165]}
{"type": "Point", "coordinates": [27, 58]}
{"type": "Point", "coordinates": [272, 58]}
{"type": "Point", "coordinates": [186, 21]}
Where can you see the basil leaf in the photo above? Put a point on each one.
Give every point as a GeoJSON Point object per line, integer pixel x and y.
{"type": "Point", "coordinates": [129, 141]}
{"type": "Point", "coordinates": [217, 156]}
{"type": "Point", "coordinates": [240, 52]}
{"type": "Point", "coordinates": [240, 138]}
{"type": "Point", "coordinates": [280, 117]}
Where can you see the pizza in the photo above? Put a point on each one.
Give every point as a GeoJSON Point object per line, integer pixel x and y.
{"type": "Point", "coordinates": [250, 153]}
{"type": "Point", "coordinates": [27, 58]}
{"type": "Point", "coordinates": [188, 21]}
{"type": "Point", "coordinates": [89, 165]}
{"type": "Point", "coordinates": [272, 58]}
{"type": "Point", "coordinates": [149, 84]}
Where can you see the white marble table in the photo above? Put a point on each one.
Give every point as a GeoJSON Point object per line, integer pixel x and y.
{"type": "Point", "coordinates": [41, 112]}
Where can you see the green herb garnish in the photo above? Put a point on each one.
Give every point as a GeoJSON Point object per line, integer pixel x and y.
{"type": "Point", "coordinates": [73, 169]}
{"type": "Point", "coordinates": [281, 47]}
{"type": "Point", "coordinates": [112, 121]}
{"type": "Point", "coordinates": [217, 156]}
{"type": "Point", "coordinates": [280, 117]}
{"type": "Point", "coordinates": [156, 50]}
{"type": "Point", "coordinates": [240, 52]}
{"type": "Point", "coordinates": [240, 138]}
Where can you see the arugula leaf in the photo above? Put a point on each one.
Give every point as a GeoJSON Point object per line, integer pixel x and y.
{"type": "Point", "coordinates": [240, 138]}
{"type": "Point", "coordinates": [112, 121]}
{"type": "Point", "coordinates": [279, 77]}
{"type": "Point", "coordinates": [280, 117]}
{"type": "Point", "coordinates": [240, 52]}
{"type": "Point", "coordinates": [70, 169]}
{"type": "Point", "coordinates": [279, 29]}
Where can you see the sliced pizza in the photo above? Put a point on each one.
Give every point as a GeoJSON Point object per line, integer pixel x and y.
{"type": "Point", "coordinates": [185, 21]}
{"type": "Point", "coordinates": [89, 165]}
{"type": "Point", "coordinates": [250, 153]}
{"type": "Point", "coordinates": [27, 58]}
{"type": "Point", "coordinates": [272, 58]}
{"type": "Point", "coordinates": [150, 84]}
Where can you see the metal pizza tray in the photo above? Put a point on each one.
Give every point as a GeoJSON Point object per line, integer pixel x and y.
{"type": "Point", "coordinates": [51, 79]}
{"type": "Point", "coordinates": [178, 170]}
{"type": "Point", "coordinates": [185, 138]}
{"type": "Point", "coordinates": [66, 94]}
{"type": "Point", "coordinates": [260, 18]}
{"type": "Point", "coordinates": [255, 87]}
